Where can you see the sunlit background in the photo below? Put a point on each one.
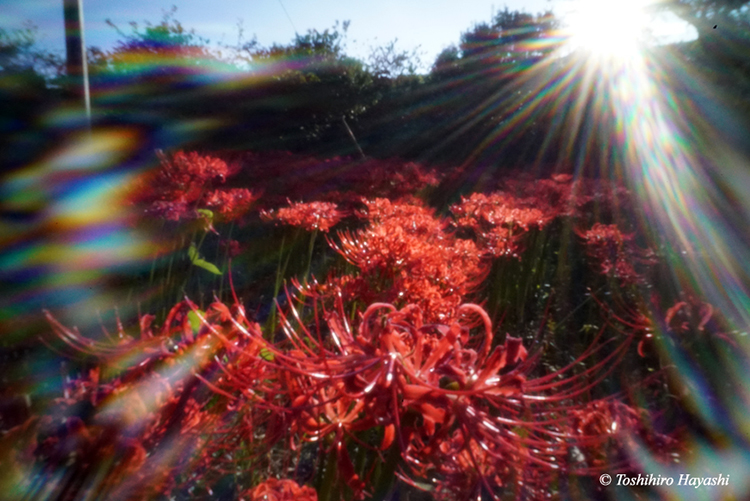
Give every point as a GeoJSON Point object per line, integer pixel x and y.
{"type": "Point", "coordinates": [427, 30]}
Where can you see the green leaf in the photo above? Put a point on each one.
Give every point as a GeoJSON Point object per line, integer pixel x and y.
{"type": "Point", "coordinates": [200, 262]}
{"type": "Point", "coordinates": [195, 320]}
{"type": "Point", "coordinates": [386, 475]}
{"type": "Point", "coordinates": [205, 213]}
{"type": "Point", "coordinates": [267, 355]}
{"type": "Point", "coordinates": [207, 266]}
{"type": "Point", "coordinates": [448, 383]}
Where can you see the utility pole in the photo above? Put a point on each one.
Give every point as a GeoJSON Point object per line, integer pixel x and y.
{"type": "Point", "coordinates": [75, 53]}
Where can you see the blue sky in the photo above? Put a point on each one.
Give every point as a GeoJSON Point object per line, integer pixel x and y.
{"type": "Point", "coordinates": [430, 24]}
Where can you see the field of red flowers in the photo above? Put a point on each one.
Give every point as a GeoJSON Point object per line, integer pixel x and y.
{"type": "Point", "coordinates": [342, 329]}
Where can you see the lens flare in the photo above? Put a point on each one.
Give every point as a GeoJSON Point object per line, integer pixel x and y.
{"type": "Point", "coordinates": [608, 28]}
{"type": "Point", "coordinates": [684, 173]}
{"type": "Point", "coordinates": [391, 339]}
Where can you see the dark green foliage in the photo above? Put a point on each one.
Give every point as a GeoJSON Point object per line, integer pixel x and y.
{"type": "Point", "coordinates": [21, 58]}
{"type": "Point", "coordinates": [481, 103]}
{"type": "Point", "coordinates": [705, 14]}
{"type": "Point", "coordinates": [28, 77]}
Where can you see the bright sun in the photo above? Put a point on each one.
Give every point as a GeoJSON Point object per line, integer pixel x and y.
{"type": "Point", "coordinates": [608, 28]}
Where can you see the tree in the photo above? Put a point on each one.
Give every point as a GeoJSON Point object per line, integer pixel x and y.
{"type": "Point", "coordinates": [506, 41]}
{"type": "Point", "coordinates": [313, 49]}
{"type": "Point", "coordinates": [19, 57]}
{"type": "Point", "coordinates": [447, 62]}
{"type": "Point", "coordinates": [28, 78]}
{"type": "Point", "coordinates": [731, 17]}
{"type": "Point", "coordinates": [387, 61]}
{"type": "Point", "coordinates": [156, 50]}
{"type": "Point", "coordinates": [475, 89]}
{"type": "Point", "coordinates": [313, 87]}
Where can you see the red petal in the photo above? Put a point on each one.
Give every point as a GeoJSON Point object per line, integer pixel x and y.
{"type": "Point", "coordinates": [388, 436]}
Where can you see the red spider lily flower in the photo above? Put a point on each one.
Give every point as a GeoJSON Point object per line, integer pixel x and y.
{"type": "Point", "coordinates": [463, 468]}
{"type": "Point", "coordinates": [564, 195]}
{"type": "Point", "coordinates": [147, 408]}
{"type": "Point", "coordinates": [409, 211]}
{"type": "Point", "coordinates": [382, 178]}
{"type": "Point", "coordinates": [281, 490]}
{"type": "Point", "coordinates": [406, 255]}
{"type": "Point", "coordinates": [388, 371]}
{"type": "Point", "coordinates": [186, 172]}
{"type": "Point", "coordinates": [600, 418]}
{"type": "Point", "coordinates": [430, 384]}
{"type": "Point", "coordinates": [175, 189]}
{"type": "Point", "coordinates": [615, 252]}
{"type": "Point", "coordinates": [600, 423]}
{"type": "Point", "coordinates": [498, 220]}
{"type": "Point", "coordinates": [135, 419]}
{"type": "Point", "coordinates": [309, 216]}
{"type": "Point", "coordinates": [693, 318]}
{"type": "Point", "coordinates": [560, 195]}
{"type": "Point", "coordinates": [340, 180]}
{"type": "Point", "coordinates": [683, 315]}
{"type": "Point", "coordinates": [172, 210]}
{"type": "Point", "coordinates": [233, 247]}
{"type": "Point", "coordinates": [463, 415]}
{"type": "Point", "coordinates": [229, 204]}
{"type": "Point", "coordinates": [497, 209]}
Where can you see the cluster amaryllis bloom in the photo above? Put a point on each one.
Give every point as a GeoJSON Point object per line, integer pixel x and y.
{"type": "Point", "coordinates": [563, 195]}
{"type": "Point", "coordinates": [147, 418]}
{"type": "Point", "coordinates": [688, 322]}
{"type": "Point", "coordinates": [615, 252]}
{"type": "Point", "coordinates": [232, 247]}
{"type": "Point", "coordinates": [498, 220]}
{"type": "Point", "coordinates": [312, 216]}
{"type": "Point", "coordinates": [342, 180]}
{"type": "Point", "coordinates": [180, 180]}
{"type": "Point", "coordinates": [558, 195]}
{"type": "Point", "coordinates": [186, 172]}
{"type": "Point", "coordinates": [384, 365]}
{"type": "Point", "coordinates": [185, 182]}
{"type": "Point", "coordinates": [392, 179]}
{"type": "Point", "coordinates": [691, 320]}
{"type": "Point", "coordinates": [465, 415]}
{"type": "Point", "coordinates": [407, 255]}
{"type": "Point", "coordinates": [229, 204]}
{"type": "Point", "coordinates": [280, 490]}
